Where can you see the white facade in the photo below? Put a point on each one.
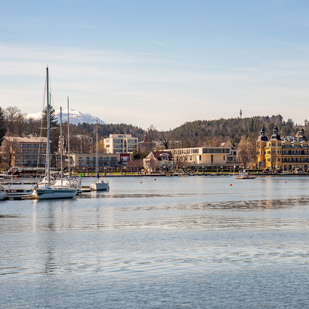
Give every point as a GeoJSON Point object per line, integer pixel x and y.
{"type": "Point", "coordinates": [202, 155]}
{"type": "Point", "coordinates": [158, 160]}
{"type": "Point", "coordinates": [120, 143]}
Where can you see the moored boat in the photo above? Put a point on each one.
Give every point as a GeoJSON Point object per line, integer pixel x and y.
{"type": "Point", "coordinates": [245, 175]}
{"type": "Point", "coordinates": [99, 184]}
{"type": "Point", "coordinates": [2, 193]}
{"type": "Point", "coordinates": [48, 188]}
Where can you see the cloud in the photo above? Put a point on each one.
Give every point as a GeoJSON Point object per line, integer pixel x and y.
{"type": "Point", "coordinates": [160, 89]}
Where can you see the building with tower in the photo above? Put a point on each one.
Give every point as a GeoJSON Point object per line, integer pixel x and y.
{"type": "Point", "coordinates": [289, 153]}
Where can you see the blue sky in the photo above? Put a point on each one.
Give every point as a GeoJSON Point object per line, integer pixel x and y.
{"type": "Point", "coordinates": [158, 63]}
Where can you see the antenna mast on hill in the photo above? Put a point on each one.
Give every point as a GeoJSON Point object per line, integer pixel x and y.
{"type": "Point", "coordinates": [240, 114]}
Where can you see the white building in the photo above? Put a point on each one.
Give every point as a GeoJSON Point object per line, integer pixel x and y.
{"type": "Point", "coordinates": [208, 156]}
{"type": "Point", "coordinates": [120, 143]}
{"type": "Point", "coordinates": [158, 160]}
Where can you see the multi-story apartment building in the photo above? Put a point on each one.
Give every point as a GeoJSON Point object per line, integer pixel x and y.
{"type": "Point", "coordinates": [288, 153]}
{"type": "Point", "coordinates": [24, 151]}
{"type": "Point", "coordinates": [88, 160]}
{"type": "Point", "coordinates": [120, 143]}
{"type": "Point", "coordinates": [207, 156]}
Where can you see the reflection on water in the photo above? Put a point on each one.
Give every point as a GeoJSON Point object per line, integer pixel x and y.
{"type": "Point", "coordinates": [163, 228]}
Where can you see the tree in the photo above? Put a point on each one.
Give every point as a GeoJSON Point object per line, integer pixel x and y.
{"type": "Point", "coordinates": [15, 121]}
{"type": "Point", "coordinates": [244, 152]}
{"type": "Point", "coordinates": [53, 117]}
{"type": "Point", "coordinates": [2, 126]}
{"type": "Point", "coordinates": [32, 126]}
{"type": "Point", "coordinates": [54, 128]}
{"type": "Point", "coordinates": [165, 138]}
{"type": "Point", "coordinates": [136, 164]}
{"type": "Point", "coordinates": [9, 148]}
{"type": "Point", "coordinates": [137, 155]}
{"type": "Point", "coordinates": [150, 136]}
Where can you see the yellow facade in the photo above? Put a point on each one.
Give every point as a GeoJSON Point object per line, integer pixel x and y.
{"type": "Point", "coordinates": [286, 154]}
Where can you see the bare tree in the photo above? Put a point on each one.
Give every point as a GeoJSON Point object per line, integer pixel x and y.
{"type": "Point", "coordinates": [9, 149]}
{"type": "Point", "coordinates": [136, 164]}
{"type": "Point", "coordinates": [15, 121]}
{"type": "Point", "coordinates": [150, 136]}
{"type": "Point", "coordinates": [165, 138]}
{"type": "Point", "coordinates": [243, 152]}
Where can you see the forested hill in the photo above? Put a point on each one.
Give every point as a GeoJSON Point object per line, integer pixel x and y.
{"type": "Point", "coordinates": [196, 133]}
{"type": "Point", "coordinates": [203, 132]}
{"type": "Point", "coordinates": [107, 129]}
{"type": "Point", "coordinates": [191, 134]}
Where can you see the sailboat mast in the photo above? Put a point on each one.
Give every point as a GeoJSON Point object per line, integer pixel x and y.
{"type": "Point", "coordinates": [69, 158]}
{"type": "Point", "coordinates": [97, 150]}
{"type": "Point", "coordinates": [61, 150]}
{"type": "Point", "coordinates": [48, 129]}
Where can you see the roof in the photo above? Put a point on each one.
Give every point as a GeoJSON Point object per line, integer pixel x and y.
{"type": "Point", "coordinates": [31, 139]}
{"type": "Point", "coordinates": [158, 155]}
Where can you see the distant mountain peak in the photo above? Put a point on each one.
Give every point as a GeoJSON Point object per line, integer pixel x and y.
{"type": "Point", "coordinates": [76, 117]}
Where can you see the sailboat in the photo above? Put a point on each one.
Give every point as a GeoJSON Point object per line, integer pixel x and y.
{"type": "Point", "coordinates": [66, 182]}
{"type": "Point", "coordinates": [99, 184]}
{"type": "Point", "coordinates": [2, 193]}
{"type": "Point", "coordinates": [48, 188]}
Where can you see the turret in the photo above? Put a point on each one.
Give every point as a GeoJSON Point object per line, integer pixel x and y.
{"type": "Point", "coordinates": [262, 136]}
{"type": "Point", "coordinates": [275, 135]}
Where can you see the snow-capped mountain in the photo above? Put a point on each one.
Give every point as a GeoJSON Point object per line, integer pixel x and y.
{"type": "Point", "coordinates": [75, 117]}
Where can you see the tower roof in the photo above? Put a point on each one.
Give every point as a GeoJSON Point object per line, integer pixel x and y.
{"type": "Point", "coordinates": [275, 135]}
{"type": "Point", "coordinates": [262, 136]}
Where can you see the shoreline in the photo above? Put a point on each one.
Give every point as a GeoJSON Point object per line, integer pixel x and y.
{"type": "Point", "coordinates": [15, 177]}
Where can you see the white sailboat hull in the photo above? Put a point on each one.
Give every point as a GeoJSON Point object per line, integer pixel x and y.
{"type": "Point", "coordinates": [99, 185]}
{"type": "Point", "coordinates": [2, 195]}
{"type": "Point", "coordinates": [54, 193]}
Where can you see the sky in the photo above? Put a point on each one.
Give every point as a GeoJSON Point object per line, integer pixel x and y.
{"type": "Point", "coordinates": [157, 63]}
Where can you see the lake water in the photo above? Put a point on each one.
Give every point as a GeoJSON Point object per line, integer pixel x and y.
{"type": "Point", "coordinates": [165, 242]}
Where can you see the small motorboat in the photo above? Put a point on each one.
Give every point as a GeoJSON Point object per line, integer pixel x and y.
{"type": "Point", "coordinates": [245, 175]}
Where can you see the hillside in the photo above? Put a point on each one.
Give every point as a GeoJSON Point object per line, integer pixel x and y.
{"type": "Point", "coordinates": [190, 134]}
{"type": "Point", "coordinates": [201, 132]}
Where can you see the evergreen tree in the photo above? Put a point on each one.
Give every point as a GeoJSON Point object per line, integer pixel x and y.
{"type": "Point", "coordinates": [54, 132]}
{"type": "Point", "coordinates": [53, 118]}
{"type": "Point", "coordinates": [2, 126]}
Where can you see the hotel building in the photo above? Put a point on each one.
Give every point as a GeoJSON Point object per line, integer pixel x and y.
{"type": "Point", "coordinates": [288, 153]}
